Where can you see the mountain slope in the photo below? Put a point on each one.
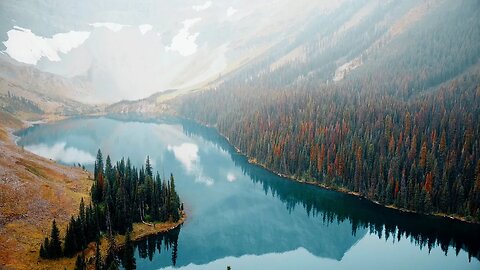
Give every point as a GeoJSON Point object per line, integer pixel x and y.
{"type": "Point", "coordinates": [378, 98]}
{"type": "Point", "coordinates": [33, 191]}
{"type": "Point", "coordinates": [30, 93]}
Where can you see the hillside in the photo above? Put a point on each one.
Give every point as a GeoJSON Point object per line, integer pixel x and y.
{"type": "Point", "coordinates": [30, 94]}
{"type": "Point", "coordinates": [33, 191]}
{"type": "Point", "coordinates": [381, 99]}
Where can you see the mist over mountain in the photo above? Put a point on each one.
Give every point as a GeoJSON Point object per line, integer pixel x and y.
{"type": "Point", "coordinates": [128, 50]}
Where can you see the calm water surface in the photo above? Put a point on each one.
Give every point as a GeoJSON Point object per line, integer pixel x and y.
{"type": "Point", "coordinates": [245, 217]}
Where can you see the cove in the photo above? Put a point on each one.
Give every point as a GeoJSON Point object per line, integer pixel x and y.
{"type": "Point", "coordinates": [243, 216]}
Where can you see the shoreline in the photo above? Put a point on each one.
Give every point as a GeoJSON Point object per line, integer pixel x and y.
{"type": "Point", "coordinates": [139, 232]}
{"type": "Point", "coordinates": [253, 161]}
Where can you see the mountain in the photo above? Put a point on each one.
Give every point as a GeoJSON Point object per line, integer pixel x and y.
{"type": "Point", "coordinates": [380, 98]}
{"type": "Point", "coordinates": [128, 51]}
{"type": "Point", "coordinates": [29, 93]}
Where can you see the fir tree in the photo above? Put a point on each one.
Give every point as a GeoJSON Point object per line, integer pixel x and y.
{"type": "Point", "coordinates": [55, 244]}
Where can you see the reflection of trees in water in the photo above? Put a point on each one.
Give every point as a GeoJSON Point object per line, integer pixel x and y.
{"type": "Point", "coordinates": [164, 242]}
{"type": "Point", "coordinates": [424, 231]}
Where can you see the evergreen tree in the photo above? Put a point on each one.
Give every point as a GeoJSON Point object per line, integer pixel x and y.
{"type": "Point", "coordinates": [47, 248]}
{"type": "Point", "coordinates": [70, 243]}
{"type": "Point", "coordinates": [98, 168]}
{"type": "Point", "coordinates": [129, 195]}
{"type": "Point", "coordinates": [174, 201]}
{"type": "Point", "coordinates": [148, 167]}
{"type": "Point", "coordinates": [55, 243]}
{"type": "Point", "coordinates": [43, 253]}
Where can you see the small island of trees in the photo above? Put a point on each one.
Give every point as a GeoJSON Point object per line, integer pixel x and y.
{"type": "Point", "coordinates": [121, 195]}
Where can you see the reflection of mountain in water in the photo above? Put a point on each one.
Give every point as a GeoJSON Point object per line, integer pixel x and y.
{"type": "Point", "coordinates": [204, 242]}
{"type": "Point", "coordinates": [239, 222]}
{"type": "Point", "coordinates": [236, 222]}
{"type": "Point", "coordinates": [333, 207]}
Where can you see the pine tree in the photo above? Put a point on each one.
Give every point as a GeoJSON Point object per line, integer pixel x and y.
{"type": "Point", "coordinates": [55, 244]}
{"type": "Point", "coordinates": [70, 243]}
{"type": "Point", "coordinates": [98, 169]}
{"type": "Point", "coordinates": [148, 167]}
{"type": "Point", "coordinates": [47, 248]}
{"type": "Point", "coordinates": [174, 201]}
{"type": "Point", "coordinates": [43, 253]}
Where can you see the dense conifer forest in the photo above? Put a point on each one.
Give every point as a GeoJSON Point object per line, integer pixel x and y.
{"type": "Point", "coordinates": [121, 195]}
{"type": "Point", "coordinates": [402, 129]}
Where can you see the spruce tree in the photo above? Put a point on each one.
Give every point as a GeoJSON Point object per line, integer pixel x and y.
{"type": "Point", "coordinates": [55, 244]}
{"type": "Point", "coordinates": [98, 169]}
{"type": "Point", "coordinates": [70, 244]}
{"type": "Point", "coordinates": [43, 253]}
{"type": "Point", "coordinates": [46, 247]}
{"type": "Point", "coordinates": [148, 167]}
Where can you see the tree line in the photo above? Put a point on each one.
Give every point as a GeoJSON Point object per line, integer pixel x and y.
{"type": "Point", "coordinates": [121, 195]}
{"type": "Point", "coordinates": [403, 129]}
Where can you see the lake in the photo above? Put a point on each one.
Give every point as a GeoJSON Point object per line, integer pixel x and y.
{"type": "Point", "coordinates": [243, 216]}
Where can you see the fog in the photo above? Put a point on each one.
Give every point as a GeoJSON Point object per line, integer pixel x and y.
{"type": "Point", "coordinates": [130, 50]}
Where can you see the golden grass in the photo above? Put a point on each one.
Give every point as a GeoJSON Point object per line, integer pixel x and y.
{"type": "Point", "coordinates": [33, 192]}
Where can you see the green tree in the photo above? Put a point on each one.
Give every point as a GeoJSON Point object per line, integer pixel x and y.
{"type": "Point", "coordinates": [148, 167]}
{"type": "Point", "coordinates": [55, 243]}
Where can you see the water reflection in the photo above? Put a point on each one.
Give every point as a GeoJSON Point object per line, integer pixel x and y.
{"type": "Point", "coordinates": [334, 207]}
{"type": "Point", "coordinates": [163, 243]}
{"type": "Point", "coordinates": [245, 216]}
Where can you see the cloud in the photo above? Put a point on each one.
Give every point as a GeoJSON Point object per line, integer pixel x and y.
{"type": "Point", "coordinates": [231, 11]}
{"type": "Point", "coordinates": [202, 7]}
{"type": "Point", "coordinates": [115, 27]}
{"type": "Point", "coordinates": [186, 153]}
{"type": "Point", "coordinates": [144, 28]}
{"type": "Point", "coordinates": [61, 153]}
{"type": "Point", "coordinates": [231, 177]}
{"type": "Point", "coordinates": [184, 41]}
{"type": "Point", "coordinates": [26, 47]}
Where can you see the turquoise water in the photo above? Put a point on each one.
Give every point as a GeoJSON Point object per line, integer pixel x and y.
{"type": "Point", "coordinates": [243, 216]}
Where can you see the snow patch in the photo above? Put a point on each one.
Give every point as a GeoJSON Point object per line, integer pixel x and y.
{"type": "Point", "coordinates": [184, 41]}
{"type": "Point", "coordinates": [26, 47]}
{"type": "Point", "coordinates": [115, 27]}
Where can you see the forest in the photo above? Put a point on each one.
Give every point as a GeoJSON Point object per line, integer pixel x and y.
{"type": "Point", "coordinates": [121, 195]}
{"type": "Point", "coordinates": [403, 129]}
